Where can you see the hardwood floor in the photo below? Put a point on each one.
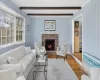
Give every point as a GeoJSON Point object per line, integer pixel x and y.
{"type": "Point", "coordinates": [74, 65]}
{"type": "Point", "coordinates": [78, 55]}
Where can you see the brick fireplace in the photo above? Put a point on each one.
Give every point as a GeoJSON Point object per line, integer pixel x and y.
{"type": "Point", "coordinates": [50, 41]}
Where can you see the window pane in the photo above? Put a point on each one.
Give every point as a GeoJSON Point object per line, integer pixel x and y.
{"type": "Point", "coordinates": [19, 31]}
{"type": "Point", "coordinates": [3, 40]}
{"type": "Point", "coordinates": [0, 40]}
{"type": "Point", "coordinates": [7, 39]}
{"type": "Point", "coordinates": [0, 32]}
{"type": "Point", "coordinates": [3, 32]}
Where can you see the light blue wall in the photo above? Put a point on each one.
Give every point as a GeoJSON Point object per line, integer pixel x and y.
{"type": "Point", "coordinates": [91, 27]}
{"type": "Point", "coordinates": [63, 25]}
{"type": "Point", "coordinates": [28, 41]}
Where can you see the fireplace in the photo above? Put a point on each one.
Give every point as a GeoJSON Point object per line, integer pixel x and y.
{"type": "Point", "coordinates": [50, 44]}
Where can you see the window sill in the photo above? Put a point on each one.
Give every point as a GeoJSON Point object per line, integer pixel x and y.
{"type": "Point", "coordinates": [11, 44]}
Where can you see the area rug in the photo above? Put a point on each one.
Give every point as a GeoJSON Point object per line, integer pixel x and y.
{"type": "Point", "coordinates": [58, 69]}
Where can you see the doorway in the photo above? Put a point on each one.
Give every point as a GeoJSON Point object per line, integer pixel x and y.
{"type": "Point", "coordinates": [77, 37]}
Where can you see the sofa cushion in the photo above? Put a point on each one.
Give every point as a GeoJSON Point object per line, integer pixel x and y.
{"type": "Point", "coordinates": [26, 60]}
{"type": "Point", "coordinates": [28, 50]}
{"type": "Point", "coordinates": [16, 53]}
{"type": "Point", "coordinates": [11, 60]}
{"type": "Point", "coordinates": [8, 74]}
{"type": "Point", "coordinates": [17, 67]}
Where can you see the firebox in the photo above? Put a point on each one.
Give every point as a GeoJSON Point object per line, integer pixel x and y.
{"type": "Point", "coordinates": [50, 44]}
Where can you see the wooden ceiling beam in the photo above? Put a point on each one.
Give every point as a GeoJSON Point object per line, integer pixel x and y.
{"type": "Point", "coordinates": [49, 8]}
{"type": "Point", "coordinates": [50, 14]}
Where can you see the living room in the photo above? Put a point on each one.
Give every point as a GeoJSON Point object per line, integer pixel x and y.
{"type": "Point", "coordinates": [33, 18]}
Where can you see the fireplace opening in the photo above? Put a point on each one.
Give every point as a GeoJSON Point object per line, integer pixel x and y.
{"type": "Point", "coordinates": [50, 44]}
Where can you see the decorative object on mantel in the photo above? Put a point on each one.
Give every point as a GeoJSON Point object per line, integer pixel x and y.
{"type": "Point", "coordinates": [49, 32]}
{"type": "Point", "coordinates": [50, 25]}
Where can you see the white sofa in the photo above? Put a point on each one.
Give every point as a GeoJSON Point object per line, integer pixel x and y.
{"type": "Point", "coordinates": [91, 66]}
{"type": "Point", "coordinates": [27, 60]}
{"type": "Point", "coordinates": [9, 74]}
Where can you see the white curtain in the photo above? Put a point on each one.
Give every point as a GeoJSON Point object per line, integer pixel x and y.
{"type": "Point", "coordinates": [5, 19]}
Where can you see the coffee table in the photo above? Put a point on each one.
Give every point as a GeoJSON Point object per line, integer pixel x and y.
{"type": "Point", "coordinates": [41, 63]}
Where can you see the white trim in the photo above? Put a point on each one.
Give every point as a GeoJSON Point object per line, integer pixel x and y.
{"type": "Point", "coordinates": [8, 9]}
{"type": "Point", "coordinates": [68, 52]}
{"type": "Point", "coordinates": [14, 29]}
{"type": "Point", "coordinates": [77, 60]}
{"type": "Point", "coordinates": [81, 15]}
{"type": "Point", "coordinates": [49, 32]}
{"type": "Point", "coordinates": [23, 36]}
{"type": "Point", "coordinates": [15, 3]}
{"type": "Point", "coordinates": [85, 3]}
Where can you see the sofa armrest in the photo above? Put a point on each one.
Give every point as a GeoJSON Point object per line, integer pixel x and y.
{"type": "Point", "coordinates": [94, 72]}
{"type": "Point", "coordinates": [19, 69]}
{"type": "Point", "coordinates": [85, 77]}
{"type": "Point", "coordinates": [8, 74]}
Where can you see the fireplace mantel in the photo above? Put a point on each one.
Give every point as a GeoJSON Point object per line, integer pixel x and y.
{"type": "Point", "coordinates": [49, 32]}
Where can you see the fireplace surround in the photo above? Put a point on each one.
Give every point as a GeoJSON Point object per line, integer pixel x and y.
{"type": "Point", "coordinates": [50, 41]}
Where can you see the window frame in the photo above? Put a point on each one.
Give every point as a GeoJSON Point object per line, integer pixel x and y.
{"type": "Point", "coordinates": [15, 14]}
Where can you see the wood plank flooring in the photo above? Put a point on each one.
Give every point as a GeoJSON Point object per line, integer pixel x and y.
{"type": "Point", "coordinates": [78, 55]}
{"type": "Point", "coordinates": [74, 65]}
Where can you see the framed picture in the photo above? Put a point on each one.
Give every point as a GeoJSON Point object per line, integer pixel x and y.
{"type": "Point", "coordinates": [50, 25]}
{"type": "Point", "coordinates": [76, 24]}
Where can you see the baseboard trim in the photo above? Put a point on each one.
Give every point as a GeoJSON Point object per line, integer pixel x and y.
{"type": "Point", "coordinates": [78, 61]}
{"type": "Point", "coordinates": [68, 52]}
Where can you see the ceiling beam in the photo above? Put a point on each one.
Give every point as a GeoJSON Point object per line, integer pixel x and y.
{"type": "Point", "coordinates": [50, 14]}
{"type": "Point", "coordinates": [50, 8]}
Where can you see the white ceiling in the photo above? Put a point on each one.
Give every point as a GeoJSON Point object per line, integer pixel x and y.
{"type": "Point", "coordinates": [49, 3]}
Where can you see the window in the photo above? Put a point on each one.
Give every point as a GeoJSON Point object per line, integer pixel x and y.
{"type": "Point", "coordinates": [11, 28]}
{"type": "Point", "coordinates": [6, 28]}
{"type": "Point", "coordinates": [7, 35]}
{"type": "Point", "coordinates": [19, 29]}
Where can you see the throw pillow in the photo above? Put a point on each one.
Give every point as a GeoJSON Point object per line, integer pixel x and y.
{"type": "Point", "coordinates": [11, 60]}
{"type": "Point", "coordinates": [28, 50]}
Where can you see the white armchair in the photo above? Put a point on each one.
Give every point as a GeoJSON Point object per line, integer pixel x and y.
{"type": "Point", "coordinates": [9, 74]}
{"type": "Point", "coordinates": [40, 50]}
{"type": "Point", "coordinates": [62, 51]}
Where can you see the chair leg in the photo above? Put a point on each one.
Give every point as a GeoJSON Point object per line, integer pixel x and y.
{"type": "Point", "coordinates": [56, 56]}
{"type": "Point", "coordinates": [64, 58]}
